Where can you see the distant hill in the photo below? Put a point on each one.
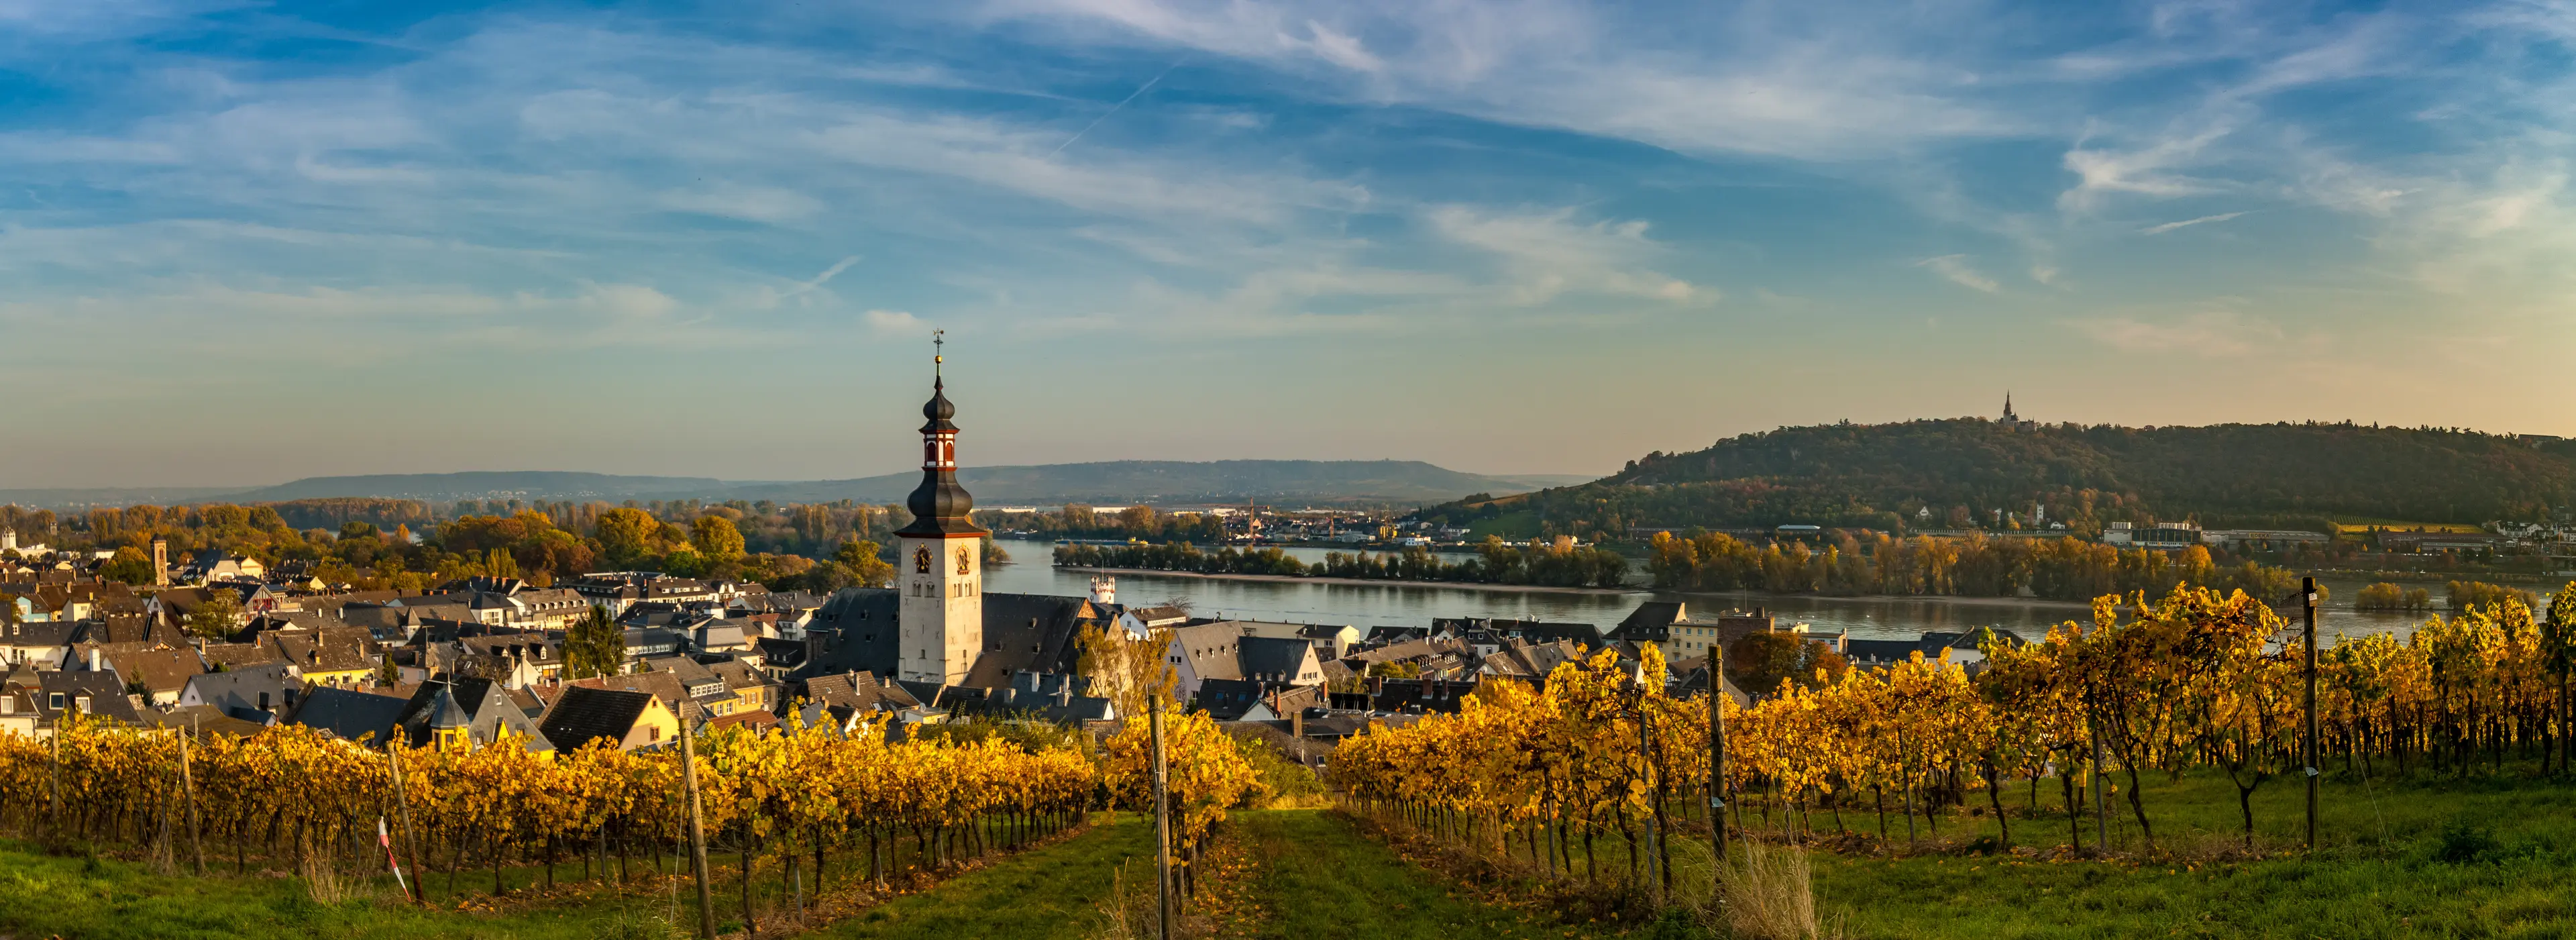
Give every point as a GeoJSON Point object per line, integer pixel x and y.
{"type": "Point", "coordinates": [504, 484]}
{"type": "Point", "coordinates": [1171, 481]}
{"type": "Point", "coordinates": [1346, 482]}
{"type": "Point", "coordinates": [2237, 474]}
{"type": "Point", "coordinates": [94, 497]}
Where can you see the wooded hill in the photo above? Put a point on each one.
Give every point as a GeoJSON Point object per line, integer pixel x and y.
{"type": "Point", "coordinates": [1964, 470]}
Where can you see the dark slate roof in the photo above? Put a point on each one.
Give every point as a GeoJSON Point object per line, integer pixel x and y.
{"type": "Point", "coordinates": [1269, 659]}
{"type": "Point", "coordinates": [484, 705]}
{"type": "Point", "coordinates": [106, 694]}
{"type": "Point", "coordinates": [50, 634]}
{"type": "Point", "coordinates": [855, 632]}
{"type": "Point", "coordinates": [351, 715]}
{"type": "Point", "coordinates": [1028, 633]}
{"type": "Point", "coordinates": [1395, 634]}
{"type": "Point", "coordinates": [1420, 697]}
{"type": "Point", "coordinates": [236, 692]}
{"type": "Point", "coordinates": [1227, 699]}
{"type": "Point", "coordinates": [1651, 621]}
{"type": "Point", "coordinates": [584, 715]}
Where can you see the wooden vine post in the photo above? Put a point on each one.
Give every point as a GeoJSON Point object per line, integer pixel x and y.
{"type": "Point", "coordinates": [697, 835]}
{"type": "Point", "coordinates": [1162, 820]}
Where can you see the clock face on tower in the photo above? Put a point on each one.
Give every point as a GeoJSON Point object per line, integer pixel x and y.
{"type": "Point", "coordinates": [965, 562]}
{"type": "Point", "coordinates": [921, 560]}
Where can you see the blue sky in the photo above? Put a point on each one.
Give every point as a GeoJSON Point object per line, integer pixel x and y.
{"type": "Point", "coordinates": [245, 243]}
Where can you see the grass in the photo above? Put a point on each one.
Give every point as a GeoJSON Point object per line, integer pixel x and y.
{"type": "Point", "coordinates": [2489, 856]}
{"type": "Point", "coordinates": [1044, 894]}
{"type": "Point", "coordinates": [1313, 874]}
{"type": "Point", "coordinates": [2407, 856]}
{"type": "Point", "coordinates": [104, 899]}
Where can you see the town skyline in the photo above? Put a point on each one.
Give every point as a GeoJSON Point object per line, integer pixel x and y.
{"type": "Point", "coordinates": [255, 244]}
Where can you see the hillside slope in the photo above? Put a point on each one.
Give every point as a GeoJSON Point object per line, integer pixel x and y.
{"type": "Point", "coordinates": [1293, 482]}
{"type": "Point", "coordinates": [1967, 469]}
{"type": "Point", "coordinates": [1170, 481]}
{"type": "Point", "coordinates": [440, 487]}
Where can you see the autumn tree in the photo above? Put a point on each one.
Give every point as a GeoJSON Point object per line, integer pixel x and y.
{"type": "Point", "coordinates": [629, 536]}
{"type": "Point", "coordinates": [130, 566]}
{"type": "Point", "coordinates": [859, 556]}
{"type": "Point", "coordinates": [1759, 662]}
{"type": "Point", "coordinates": [716, 538]}
{"type": "Point", "coordinates": [1126, 670]}
{"type": "Point", "coordinates": [217, 618]}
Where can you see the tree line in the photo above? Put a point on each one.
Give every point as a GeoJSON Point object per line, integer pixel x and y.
{"type": "Point", "coordinates": [1971, 566]}
{"type": "Point", "coordinates": [1957, 473]}
{"type": "Point", "coordinates": [1495, 562]}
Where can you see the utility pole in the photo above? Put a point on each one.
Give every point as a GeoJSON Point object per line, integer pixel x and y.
{"type": "Point", "coordinates": [697, 834]}
{"type": "Point", "coordinates": [2308, 600]}
{"type": "Point", "coordinates": [1162, 820]}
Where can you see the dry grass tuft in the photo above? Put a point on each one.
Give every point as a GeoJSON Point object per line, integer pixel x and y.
{"type": "Point", "coordinates": [1769, 895]}
{"type": "Point", "coordinates": [322, 879]}
{"type": "Point", "coordinates": [1131, 910]}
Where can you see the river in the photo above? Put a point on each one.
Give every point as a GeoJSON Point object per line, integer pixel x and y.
{"type": "Point", "coordinates": [1393, 604]}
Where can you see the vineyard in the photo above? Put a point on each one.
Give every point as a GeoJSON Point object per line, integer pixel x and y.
{"type": "Point", "coordinates": [2164, 733]}
{"type": "Point", "coordinates": [797, 804]}
{"type": "Point", "coordinates": [1589, 782]}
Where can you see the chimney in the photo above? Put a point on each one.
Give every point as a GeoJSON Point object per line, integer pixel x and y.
{"type": "Point", "coordinates": [1297, 724]}
{"type": "Point", "coordinates": [93, 659]}
{"type": "Point", "coordinates": [1377, 685]}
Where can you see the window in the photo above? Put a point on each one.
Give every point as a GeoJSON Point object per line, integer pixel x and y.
{"type": "Point", "coordinates": [55, 701]}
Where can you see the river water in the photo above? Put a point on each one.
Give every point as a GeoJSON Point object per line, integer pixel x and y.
{"type": "Point", "coordinates": [1369, 605]}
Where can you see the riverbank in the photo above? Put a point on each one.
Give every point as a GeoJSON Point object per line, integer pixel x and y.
{"type": "Point", "coordinates": [1953, 599]}
{"type": "Point", "coordinates": [1357, 582]}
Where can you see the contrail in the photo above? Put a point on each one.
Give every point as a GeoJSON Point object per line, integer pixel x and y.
{"type": "Point", "coordinates": [1113, 109]}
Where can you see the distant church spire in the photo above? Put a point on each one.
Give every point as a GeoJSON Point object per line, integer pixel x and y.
{"type": "Point", "coordinates": [2009, 417]}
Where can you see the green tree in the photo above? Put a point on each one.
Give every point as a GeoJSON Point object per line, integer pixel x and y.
{"type": "Point", "coordinates": [716, 538]}
{"type": "Point", "coordinates": [130, 566]}
{"type": "Point", "coordinates": [596, 646]}
{"type": "Point", "coordinates": [499, 563]}
{"type": "Point", "coordinates": [217, 618]}
{"type": "Point", "coordinates": [629, 536]}
{"type": "Point", "coordinates": [1758, 662]}
{"type": "Point", "coordinates": [865, 568]}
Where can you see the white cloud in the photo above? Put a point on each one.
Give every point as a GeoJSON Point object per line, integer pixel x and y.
{"type": "Point", "coordinates": [1955, 269]}
{"type": "Point", "coordinates": [2187, 223]}
{"type": "Point", "coordinates": [1811, 84]}
{"type": "Point", "coordinates": [1548, 253]}
{"type": "Point", "coordinates": [2211, 333]}
{"type": "Point", "coordinates": [892, 322]}
{"type": "Point", "coordinates": [749, 203]}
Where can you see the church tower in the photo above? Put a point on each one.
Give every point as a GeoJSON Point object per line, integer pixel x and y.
{"type": "Point", "coordinates": [941, 570]}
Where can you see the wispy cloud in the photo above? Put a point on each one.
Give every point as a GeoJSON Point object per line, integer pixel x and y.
{"type": "Point", "coordinates": [2187, 223]}
{"type": "Point", "coordinates": [1955, 269]}
{"type": "Point", "coordinates": [2209, 333]}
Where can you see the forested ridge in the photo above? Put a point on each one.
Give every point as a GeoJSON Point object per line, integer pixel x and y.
{"type": "Point", "coordinates": [1954, 473]}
